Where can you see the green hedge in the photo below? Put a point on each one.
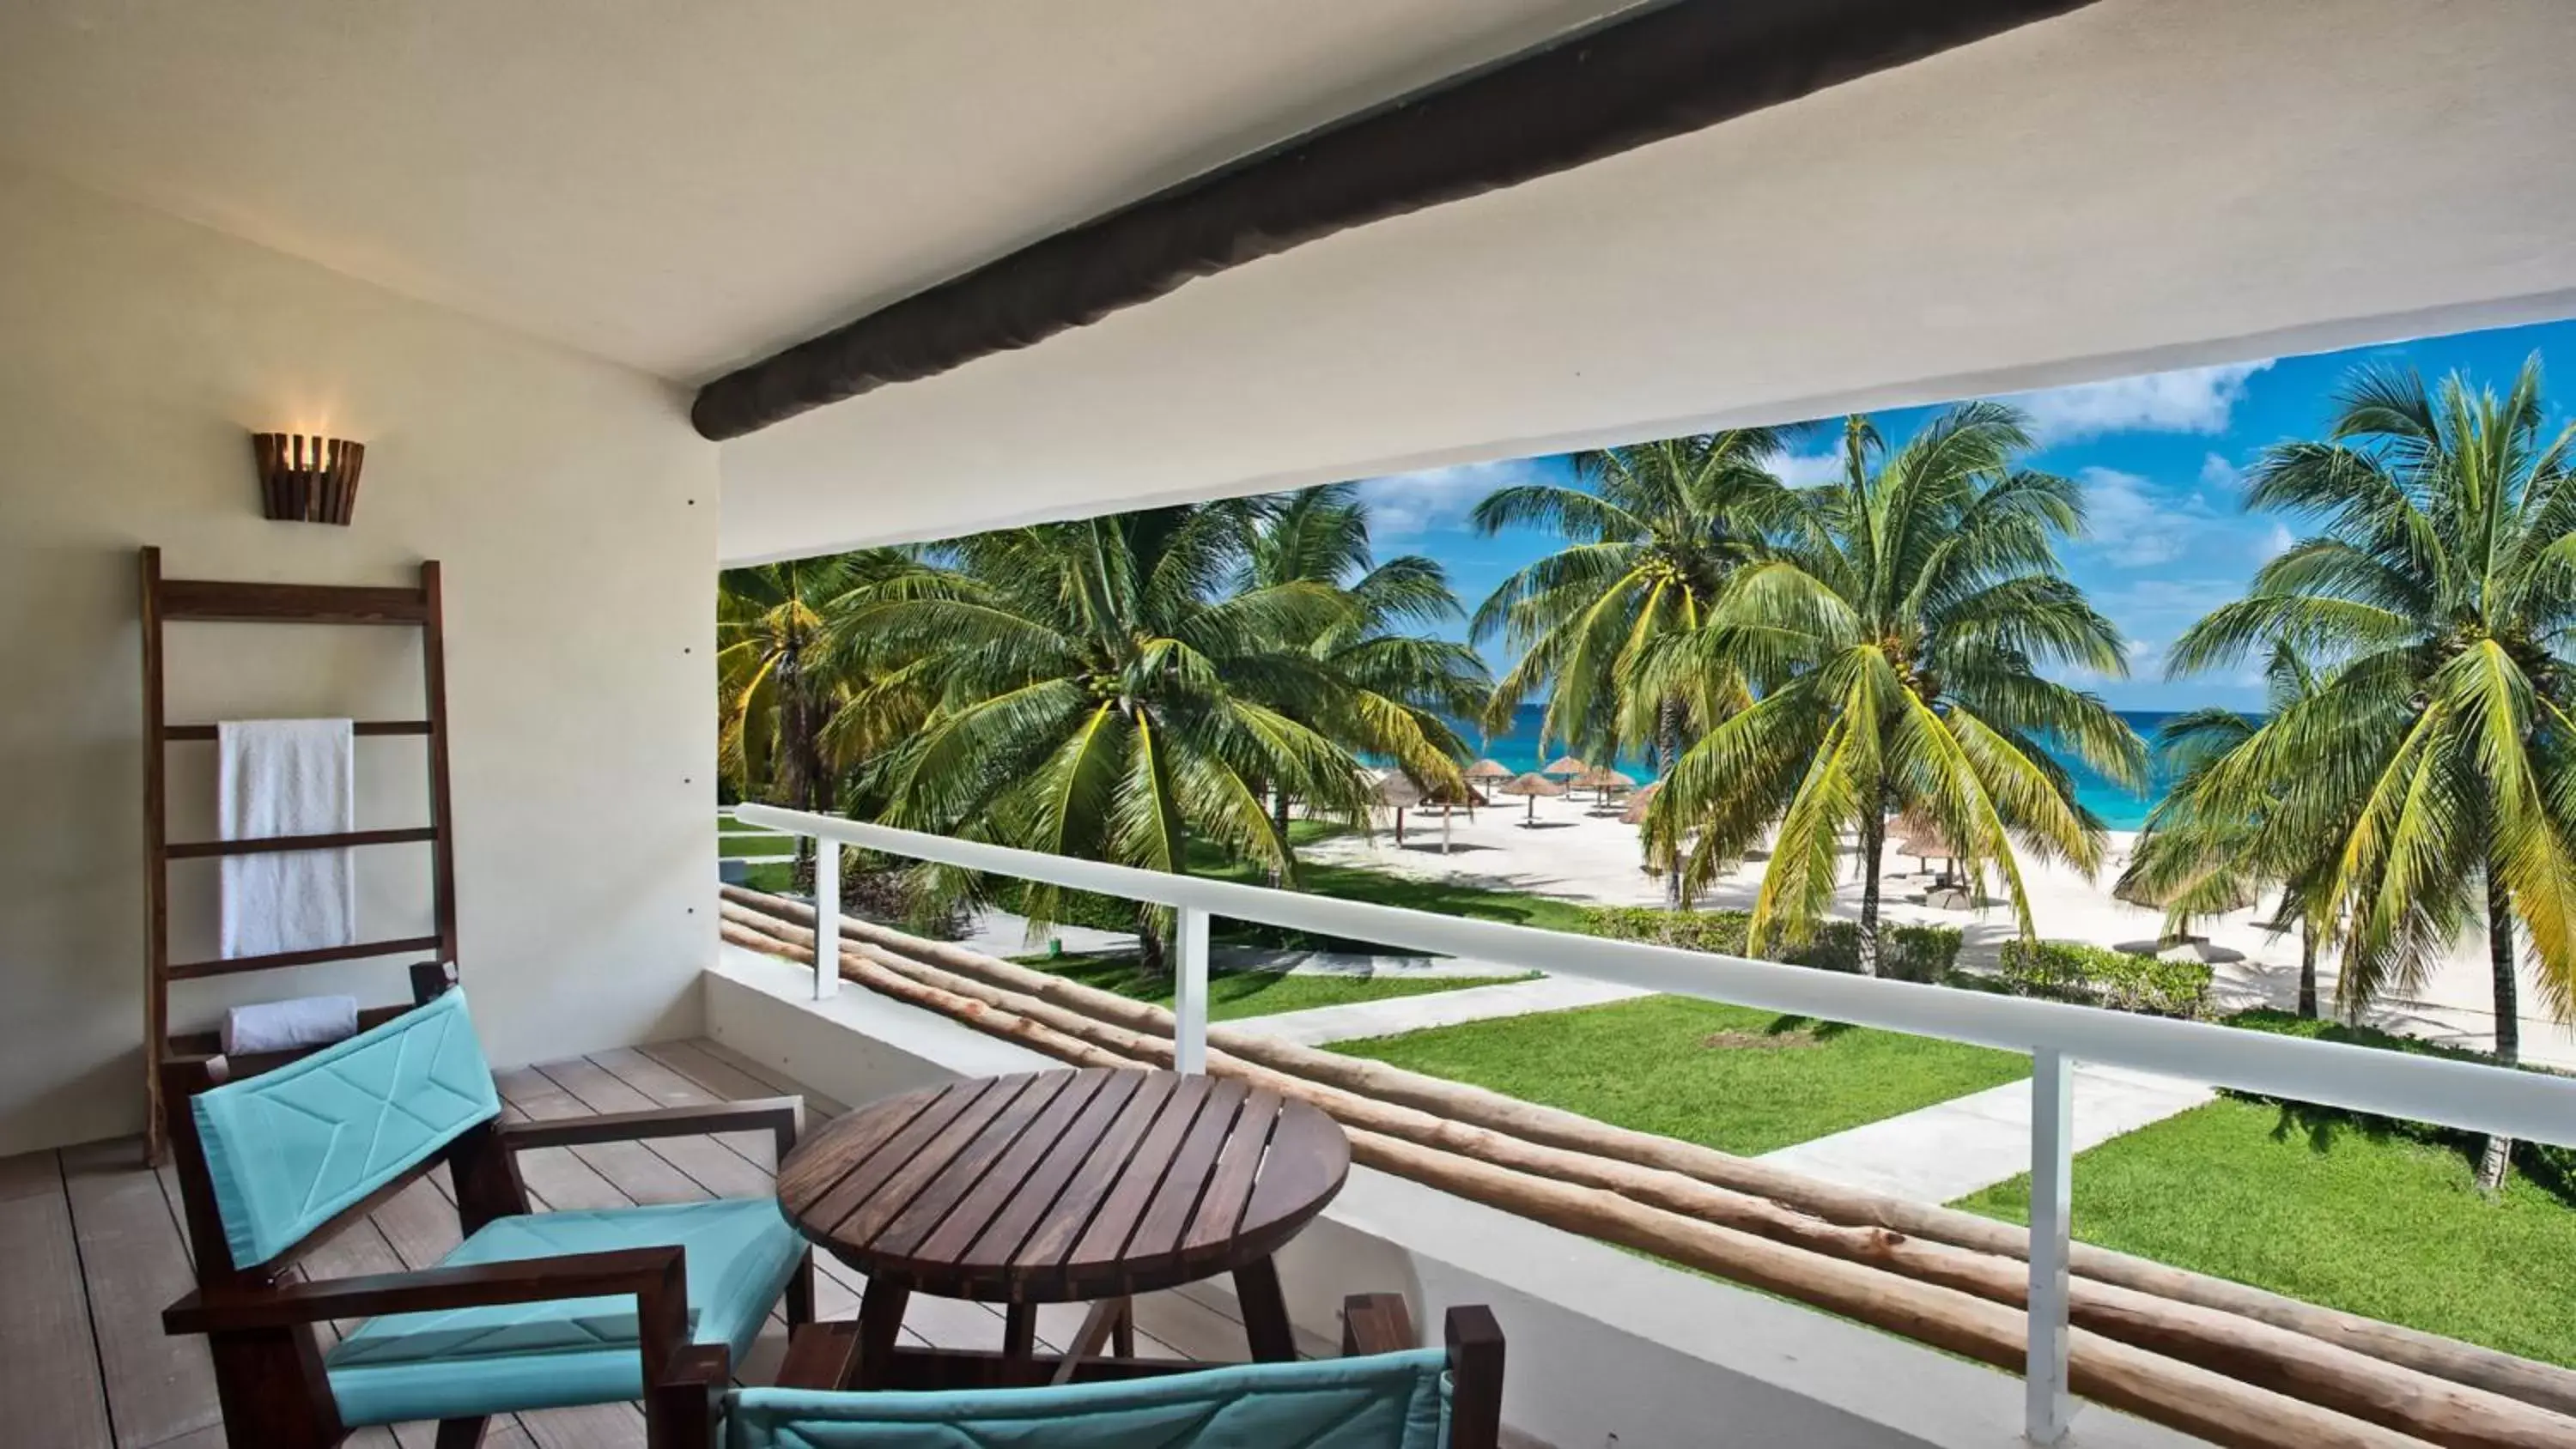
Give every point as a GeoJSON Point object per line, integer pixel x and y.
{"type": "Point", "coordinates": [1908, 953]}
{"type": "Point", "coordinates": [2096, 976]}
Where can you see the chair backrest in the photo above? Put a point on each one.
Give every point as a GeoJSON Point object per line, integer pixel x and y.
{"type": "Point", "coordinates": [288, 1150]}
{"type": "Point", "coordinates": [1381, 1401]}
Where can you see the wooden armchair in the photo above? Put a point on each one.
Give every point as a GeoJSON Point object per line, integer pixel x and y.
{"type": "Point", "coordinates": [1383, 1393]}
{"type": "Point", "coordinates": [531, 1311]}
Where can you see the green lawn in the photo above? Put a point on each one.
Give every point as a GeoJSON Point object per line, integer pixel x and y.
{"type": "Point", "coordinates": [2378, 1224]}
{"type": "Point", "coordinates": [735, 838]}
{"type": "Point", "coordinates": [1236, 994]}
{"type": "Point", "coordinates": [778, 879]}
{"type": "Point", "coordinates": [1731, 1077]}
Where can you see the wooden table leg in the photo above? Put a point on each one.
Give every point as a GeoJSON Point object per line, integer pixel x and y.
{"type": "Point", "coordinates": [1265, 1312]}
{"type": "Point", "coordinates": [881, 1306]}
{"type": "Point", "coordinates": [1097, 1323]}
{"type": "Point", "coordinates": [1019, 1332]}
{"type": "Point", "coordinates": [1123, 1335]}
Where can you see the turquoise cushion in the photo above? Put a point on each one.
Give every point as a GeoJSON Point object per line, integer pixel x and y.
{"type": "Point", "coordinates": [471, 1361]}
{"type": "Point", "coordinates": [1385, 1401]}
{"type": "Point", "coordinates": [289, 1148]}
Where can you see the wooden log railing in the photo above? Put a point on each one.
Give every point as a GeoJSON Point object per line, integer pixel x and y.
{"type": "Point", "coordinates": [2237, 1377]}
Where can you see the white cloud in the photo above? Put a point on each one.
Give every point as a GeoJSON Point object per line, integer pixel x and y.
{"type": "Point", "coordinates": [2194, 400]}
{"type": "Point", "coordinates": [1408, 505]}
{"type": "Point", "coordinates": [1809, 470]}
{"type": "Point", "coordinates": [2275, 543]}
{"type": "Point", "coordinates": [2221, 476]}
{"type": "Point", "coordinates": [2130, 526]}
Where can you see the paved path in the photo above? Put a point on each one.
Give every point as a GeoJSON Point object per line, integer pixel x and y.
{"type": "Point", "coordinates": [1000, 933]}
{"type": "Point", "coordinates": [1953, 1148]}
{"type": "Point", "coordinates": [1369, 965]}
{"type": "Point", "coordinates": [1320, 1024]}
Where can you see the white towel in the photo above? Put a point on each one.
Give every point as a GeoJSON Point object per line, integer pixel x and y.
{"type": "Point", "coordinates": [287, 777]}
{"type": "Point", "coordinates": [285, 1026]}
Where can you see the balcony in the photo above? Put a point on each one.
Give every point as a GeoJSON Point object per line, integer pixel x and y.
{"type": "Point", "coordinates": [563, 273]}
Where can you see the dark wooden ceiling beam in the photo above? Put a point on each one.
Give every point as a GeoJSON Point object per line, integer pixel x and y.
{"type": "Point", "coordinates": [1661, 73]}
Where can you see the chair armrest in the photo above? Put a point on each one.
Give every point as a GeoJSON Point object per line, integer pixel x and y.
{"type": "Point", "coordinates": [782, 1117]}
{"type": "Point", "coordinates": [1376, 1323]}
{"type": "Point", "coordinates": [1475, 1377]}
{"type": "Point", "coordinates": [657, 1277]}
{"type": "Point", "coordinates": [683, 1405]}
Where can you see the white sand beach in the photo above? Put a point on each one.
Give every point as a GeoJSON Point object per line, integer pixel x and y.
{"type": "Point", "coordinates": [1576, 853]}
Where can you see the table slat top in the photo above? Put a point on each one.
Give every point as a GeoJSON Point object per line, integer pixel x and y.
{"type": "Point", "coordinates": [1053, 1186]}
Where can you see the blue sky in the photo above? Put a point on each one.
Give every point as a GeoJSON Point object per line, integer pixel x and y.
{"type": "Point", "coordinates": [2161, 457]}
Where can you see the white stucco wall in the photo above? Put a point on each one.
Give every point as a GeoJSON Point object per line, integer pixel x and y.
{"type": "Point", "coordinates": [575, 516]}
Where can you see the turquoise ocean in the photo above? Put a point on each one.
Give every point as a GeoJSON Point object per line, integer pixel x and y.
{"type": "Point", "coordinates": [2119, 808]}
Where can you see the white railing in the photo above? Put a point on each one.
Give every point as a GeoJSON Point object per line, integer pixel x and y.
{"type": "Point", "coordinates": [2463, 1095]}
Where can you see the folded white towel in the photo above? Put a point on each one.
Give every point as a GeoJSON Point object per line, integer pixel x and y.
{"type": "Point", "coordinates": [287, 777]}
{"type": "Point", "coordinates": [282, 1026]}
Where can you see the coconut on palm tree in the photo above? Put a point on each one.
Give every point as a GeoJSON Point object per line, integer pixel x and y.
{"type": "Point", "coordinates": [1120, 687]}
{"type": "Point", "coordinates": [1652, 536]}
{"type": "Point", "coordinates": [2438, 592]}
{"type": "Point", "coordinates": [1899, 641]}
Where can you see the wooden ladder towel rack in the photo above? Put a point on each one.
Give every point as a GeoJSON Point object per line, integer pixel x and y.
{"type": "Point", "coordinates": [169, 601]}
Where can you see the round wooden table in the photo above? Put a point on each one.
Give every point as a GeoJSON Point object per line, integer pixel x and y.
{"type": "Point", "coordinates": [1065, 1186]}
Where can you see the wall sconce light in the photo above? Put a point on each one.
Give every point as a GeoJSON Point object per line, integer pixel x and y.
{"type": "Point", "coordinates": [307, 480]}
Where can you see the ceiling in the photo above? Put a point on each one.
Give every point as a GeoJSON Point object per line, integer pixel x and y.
{"type": "Point", "coordinates": [685, 185]}
{"type": "Point", "coordinates": [2137, 185]}
{"type": "Point", "coordinates": [681, 186]}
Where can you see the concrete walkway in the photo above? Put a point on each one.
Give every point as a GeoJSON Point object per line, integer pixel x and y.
{"type": "Point", "coordinates": [1003, 934]}
{"type": "Point", "coordinates": [1953, 1148]}
{"type": "Point", "coordinates": [1358, 964]}
{"type": "Point", "coordinates": [1317, 1025]}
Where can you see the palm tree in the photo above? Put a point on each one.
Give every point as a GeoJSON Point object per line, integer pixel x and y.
{"type": "Point", "coordinates": [2440, 590]}
{"type": "Point", "coordinates": [1897, 641]}
{"type": "Point", "coordinates": [794, 711]}
{"type": "Point", "coordinates": [774, 696]}
{"type": "Point", "coordinates": [2197, 860]}
{"type": "Point", "coordinates": [1653, 534]}
{"type": "Point", "coordinates": [1118, 687]}
{"type": "Point", "coordinates": [1406, 685]}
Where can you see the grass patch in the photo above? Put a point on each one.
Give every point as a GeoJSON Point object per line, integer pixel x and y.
{"type": "Point", "coordinates": [773, 879]}
{"type": "Point", "coordinates": [1236, 994]}
{"type": "Point", "coordinates": [1730, 1077]}
{"type": "Point", "coordinates": [2375, 1223]}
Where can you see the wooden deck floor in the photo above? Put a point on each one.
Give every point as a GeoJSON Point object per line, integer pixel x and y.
{"type": "Point", "coordinates": [91, 1250]}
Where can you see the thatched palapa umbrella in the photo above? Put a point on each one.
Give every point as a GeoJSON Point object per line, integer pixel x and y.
{"type": "Point", "coordinates": [2210, 893]}
{"type": "Point", "coordinates": [1396, 789]}
{"type": "Point", "coordinates": [1564, 768]}
{"type": "Point", "coordinates": [1922, 837]}
{"type": "Point", "coordinates": [1533, 786]}
{"type": "Point", "coordinates": [1635, 814]}
{"type": "Point", "coordinates": [1449, 798]}
{"type": "Point", "coordinates": [1487, 773]}
{"type": "Point", "coordinates": [1605, 782]}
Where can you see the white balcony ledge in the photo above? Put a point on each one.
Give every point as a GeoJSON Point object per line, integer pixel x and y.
{"type": "Point", "coordinates": [1607, 1348]}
